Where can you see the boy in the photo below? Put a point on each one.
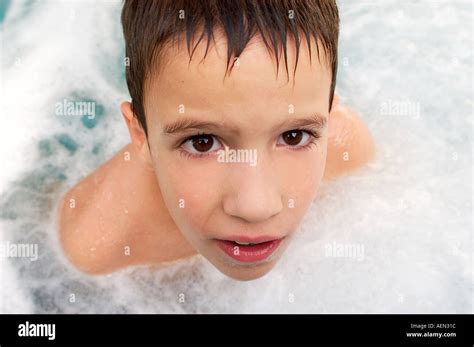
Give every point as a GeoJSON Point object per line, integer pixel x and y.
{"type": "Point", "coordinates": [227, 152]}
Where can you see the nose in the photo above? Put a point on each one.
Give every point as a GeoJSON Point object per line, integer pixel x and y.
{"type": "Point", "coordinates": [253, 194]}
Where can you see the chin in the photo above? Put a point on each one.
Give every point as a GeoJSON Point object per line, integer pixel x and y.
{"type": "Point", "coordinates": [246, 272]}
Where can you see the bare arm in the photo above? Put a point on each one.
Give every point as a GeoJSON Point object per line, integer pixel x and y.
{"type": "Point", "coordinates": [350, 144]}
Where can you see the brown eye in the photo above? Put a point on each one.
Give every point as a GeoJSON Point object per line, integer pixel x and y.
{"type": "Point", "coordinates": [201, 144]}
{"type": "Point", "coordinates": [293, 137]}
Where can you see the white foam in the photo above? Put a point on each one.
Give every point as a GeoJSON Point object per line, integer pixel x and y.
{"type": "Point", "coordinates": [17, 301]}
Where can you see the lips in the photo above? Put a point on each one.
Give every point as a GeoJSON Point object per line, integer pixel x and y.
{"type": "Point", "coordinates": [249, 250]}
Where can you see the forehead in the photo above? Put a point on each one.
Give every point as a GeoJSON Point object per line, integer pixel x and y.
{"type": "Point", "coordinates": [252, 88]}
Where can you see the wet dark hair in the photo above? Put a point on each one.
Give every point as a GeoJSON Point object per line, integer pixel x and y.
{"type": "Point", "coordinates": [150, 26]}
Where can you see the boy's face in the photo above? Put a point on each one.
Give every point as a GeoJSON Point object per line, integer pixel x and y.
{"type": "Point", "coordinates": [249, 166]}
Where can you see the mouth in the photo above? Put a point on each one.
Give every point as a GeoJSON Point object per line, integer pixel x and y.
{"type": "Point", "coordinates": [248, 250]}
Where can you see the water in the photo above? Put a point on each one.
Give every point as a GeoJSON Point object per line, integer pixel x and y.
{"type": "Point", "coordinates": [405, 66]}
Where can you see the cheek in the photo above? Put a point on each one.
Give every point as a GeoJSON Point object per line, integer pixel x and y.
{"type": "Point", "coordinates": [191, 193]}
{"type": "Point", "coordinates": [301, 179]}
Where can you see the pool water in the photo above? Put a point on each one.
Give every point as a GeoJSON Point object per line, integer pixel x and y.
{"type": "Point", "coordinates": [396, 236]}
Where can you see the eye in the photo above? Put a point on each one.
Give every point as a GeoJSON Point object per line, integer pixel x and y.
{"type": "Point", "coordinates": [201, 144]}
{"type": "Point", "coordinates": [294, 138]}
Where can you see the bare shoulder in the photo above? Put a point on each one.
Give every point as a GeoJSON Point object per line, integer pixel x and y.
{"type": "Point", "coordinates": [90, 218]}
{"type": "Point", "coordinates": [350, 144]}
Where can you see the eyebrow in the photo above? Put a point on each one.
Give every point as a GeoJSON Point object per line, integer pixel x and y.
{"type": "Point", "coordinates": [316, 121]}
{"type": "Point", "coordinates": [185, 124]}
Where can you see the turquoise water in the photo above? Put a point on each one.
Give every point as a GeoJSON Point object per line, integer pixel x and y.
{"type": "Point", "coordinates": [4, 4]}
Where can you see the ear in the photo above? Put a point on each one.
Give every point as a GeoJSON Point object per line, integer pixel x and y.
{"type": "Point", "coordinates": [137, 134]}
